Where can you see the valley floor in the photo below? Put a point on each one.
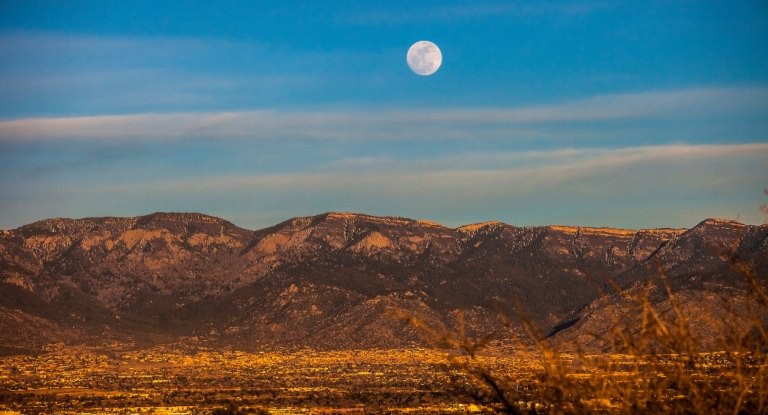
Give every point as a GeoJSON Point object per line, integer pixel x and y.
{"type": "Point", "coordinates": [178, 380]}
{"type": "Point", "coordinates": [164, 380]}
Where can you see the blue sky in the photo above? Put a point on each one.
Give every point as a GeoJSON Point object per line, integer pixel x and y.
{"type": "Point", "coordinates": [625, 114]}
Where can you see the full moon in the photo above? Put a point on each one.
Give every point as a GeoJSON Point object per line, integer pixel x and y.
{"type": "Point", "coordinates": [424, 58]}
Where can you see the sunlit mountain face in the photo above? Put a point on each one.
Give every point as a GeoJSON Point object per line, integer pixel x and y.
{"type": "Point", "coordinates": [332, 281]}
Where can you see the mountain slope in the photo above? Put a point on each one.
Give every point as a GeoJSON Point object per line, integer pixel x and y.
{"type": "Point", "coordinates": [707, 272]}
{"type": "Point", "coordinates": [331, 280]}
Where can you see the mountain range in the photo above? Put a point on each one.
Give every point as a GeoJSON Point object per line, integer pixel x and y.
{"type": "Point", "coordinates": [340, 280]}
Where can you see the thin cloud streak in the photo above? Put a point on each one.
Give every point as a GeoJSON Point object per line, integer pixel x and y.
{"type": "Point", "coordinates": [561, 158]}
{"type": "Point", "coordinates": [467, 123]}
{"type": "Point", "coordinates": [477, 10]}
{"type": "Point", "coordinates": [558, 166]}
{"type": "Point", "coordinates": [80, 74]}
{"type": "Point", "coordinates": [166, 47]}
{"type": "Point", "coordinates": [600, 187]}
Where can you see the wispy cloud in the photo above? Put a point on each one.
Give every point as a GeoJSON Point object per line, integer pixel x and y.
{"type": "Point", "coordinates": [576, 161]}
{"type": "Point", "coordinates": [486, 171]}
{"type": "Point", "coordinates": [648, 186]}
{"type": "Point", "coordinates": [473, 10]}
{"type": "Point", "coordinates": [466, 123]}
{"type": "Point", "coordinates": [85, 74]}
{"type": "Point", "coordinates": [167, 47]}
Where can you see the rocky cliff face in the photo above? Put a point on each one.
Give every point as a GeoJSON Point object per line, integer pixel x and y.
{"type": "Point", "coordinates": [708, 271]}
{"type": "Point", "coordinates": [331, 280]}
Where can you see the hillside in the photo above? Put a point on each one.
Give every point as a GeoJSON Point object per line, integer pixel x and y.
{"type": "Point", "coordinates": [330, 281]}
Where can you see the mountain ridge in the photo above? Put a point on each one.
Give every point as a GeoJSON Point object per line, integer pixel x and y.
{"type": "Point", "coordinates": [323, 280]}
{"type": "Point", "coordinates": [345, 214]}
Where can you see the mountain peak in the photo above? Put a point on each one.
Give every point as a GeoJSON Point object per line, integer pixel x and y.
{"type": "Point", "coordinates": [593, 230]}
{"type": "Point", "coordinates": [67, 225]}
{"type": "Point", "coordinates": [385, 220]}
{"type": "Point", "coordinates": [474, 227]}
{"type": "Point", "coordinates": [179, 216]}
{"type": "Point", "coordinates": [720, 221]}
{"type": "Point", "coordinates": [163, 218]}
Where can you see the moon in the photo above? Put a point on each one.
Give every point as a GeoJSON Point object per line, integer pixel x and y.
{"type": "Point", "coordinates": [424, 58]}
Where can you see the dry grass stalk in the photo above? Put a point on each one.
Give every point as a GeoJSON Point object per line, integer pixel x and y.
{"type": "Point", "coordinates": [653, 367]}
